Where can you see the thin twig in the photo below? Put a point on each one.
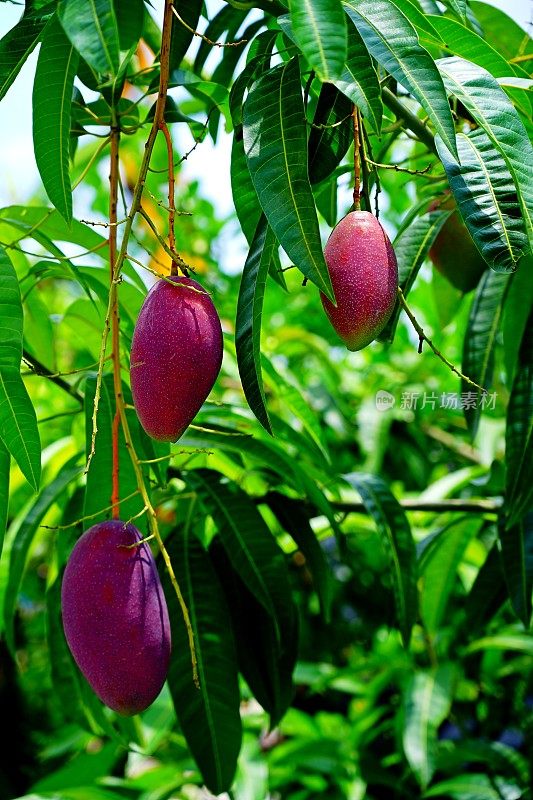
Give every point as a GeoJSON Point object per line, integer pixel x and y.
{"type": "Point", "coordinates": [397, 168]}
{"type": "Point", "coordinates": [89, 516]}
{"type": "Point", "coordinates": [44, 372]}
{"type": "Point", "coordinates": [204, 38]}
{"type": "Point", "coordinates": [424, 338]}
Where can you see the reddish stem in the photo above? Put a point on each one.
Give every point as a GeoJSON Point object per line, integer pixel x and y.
{"type": "Point", "coordinates": [171, 207]}
{"type": "Point", "coordinates": [115, 322]}
{"type": "Point", "coordinates": [356, 160]}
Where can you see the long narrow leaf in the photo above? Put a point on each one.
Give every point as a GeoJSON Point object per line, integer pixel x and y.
{"type": "Point", "coordinates": [493, 111]}
{"type": "Point", "coordinates": [319, 28]}
{"type": "Point", "coordinates": [92, 29]}
{"type": "Point", "coordinates": [486, 196]}
{"type": "Point", "coordinates": [275, 141]}
{"type": "Point", "coordinates": [52, 97]}
{"type": "Point", "coordinates": [393, 42]}
{"type": "Point", "coordinates": [208, 715]}
{"type": "Point", "coordinates": [480, 340]}
{"type": "Point", "coordinates": [359, 80]}
{"type": "Point", "coordinates": [248, 323]}
{"type": "Point", "coordinates": [395, 533]}
{"type": "Point", "coordinates": [18, 43]}
{"type": "Point", "coordinates": [18, 423]}
{"type": "Point", "coordinates": [4, 491]}
{"type": "Point", "coordinates": [516, 554]}
{"type": "Point", "coordinates": [519, 434]}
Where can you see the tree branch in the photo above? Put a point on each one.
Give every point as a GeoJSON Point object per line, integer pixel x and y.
{"type": "Point", "coordinates": [411, 121]}
{"type": "Point", "coordinates": [40, 369]}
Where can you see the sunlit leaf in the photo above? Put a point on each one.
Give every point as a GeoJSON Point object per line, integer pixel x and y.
{"type": "Point", "coordinates": [92, 29]}
{"type": "Point", "coordinates": [427, 699]}
{"type": "Point", "coordinates": [319, 28]}
{"type": "Point", "coordinates": [275, 141]}
{"type": "Point", "coordinates": [52, 95]}
{"type": "Point", "coordinates": [19, 42]}
{"type": "Point", "coordinates": [392, 41]}
{"type": "Point", "coordinates": [18, 423]}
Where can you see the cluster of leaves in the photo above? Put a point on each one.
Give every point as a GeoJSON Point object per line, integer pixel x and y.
{"type": "Point", "coordinates": [396, 695]}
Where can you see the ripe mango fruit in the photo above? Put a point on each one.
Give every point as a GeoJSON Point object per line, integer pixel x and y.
{"type": "Point", "coordinates": [454, 253]}
{"type": "Point", "coordinates": [115, 616]}
{"type": "Point", "coordinates": [176, 355]}
{"type": "Point", "coordinates": [364, 275]}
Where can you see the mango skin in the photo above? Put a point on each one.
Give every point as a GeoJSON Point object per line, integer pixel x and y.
{"type": "Point", "coordinates": [454, 254]}
{"type": "Point", "coordinates": [176, 355]}
{"type": "Point", "coordinates": [364, 274]}
{"type": "Point", "coordinates": [115, 616]}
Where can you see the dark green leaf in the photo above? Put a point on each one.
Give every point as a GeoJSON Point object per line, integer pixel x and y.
{"type": "Point", "coordinates": [319, 28]}
{"type": "Point", "coordinates": [248, 542]}
{"type": "Point", "coordinates": [18, 43]}
{"type": "Point", "coordinates": [248, 322]}
{"type": "Point", "coordinates": [487, 593]}
{"type": "Point", "coordinates": [24, 536]}
{"type": "Point", "coordinates": [328, 145]}
{"type": "Point", "coordinates": [427, 700]}
{"type": "Point", "coordinates": [244, 196]}
{"type": "Point", "coordinates": [491, 108]}
{"type": "Point", "coordinates": [474, 787]}
{"type": "Point", "coordinates": [275, 141]}
{"type": "Point", "coordinates": [293, 518]}
{"type": "Point", "coordinates": [519, 434]}
{"type": "Point", "coordinates": [516, 312]}
{"type": "Point", "coordinates": [486, 196]}
{"type": "Point", "coordinates": [92, 29]}
{"type": "Point", "coordinates": [18, 423]}
{"type": "Point", "coordinates": [227, 19]}
{"type": "Point", "coordinates": [129, 16]}
{"type": "Point", "coordinates": [462, 41]}
{"type": "Point", "coordinates": [359, 80]}
{"type": "Point", "coordinates": [52, 94]}
{"type": "Point", "coordinates": [393, 42]}
{"type": "Point", "coordinates": [181, 37]}
{"type": "Point", "coordinates": [208, 716]}
{"type": "Point", "coordinates": [398, 543]}
{"type": "Point", "coordinates": [265, 663]}
{"type": "Point", "coordinates": [479, 341]}
{"type": "Point", "coordinates": [516, 542]}
{"type": "Point", "coordinates": [4, 491]}
{"type": "Point", "coordinates": [411, 247]}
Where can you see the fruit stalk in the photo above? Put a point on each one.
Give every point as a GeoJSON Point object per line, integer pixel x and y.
{"type": "Point", "coordinates": [356, 160]}
{"type": "Point", "coordinates": [171, 207]}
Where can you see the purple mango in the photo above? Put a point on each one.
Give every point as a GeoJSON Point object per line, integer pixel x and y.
{"type": "Point", "coordinates": [176, 356]}
{"type": "Point", "coordinates": [364, 275]}
{"type": "Point", "coordinates": [115, 616]}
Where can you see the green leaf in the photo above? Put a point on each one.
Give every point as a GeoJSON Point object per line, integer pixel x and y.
{"type": "Point", "coordinates": [181, 37]}
{"type": "Point", "coordinates": [463, 42]}
{"type": "Point", "coordinates": [398, 543]}
{"type": "Point", "coordinates": [480, 340]}
{"type": "Point", "coordinates": [427, 700]}
{"type": "Point", "coordinates": [92, 29]}
{"type": "Point", "coordinates": [275, 142]}
{"type": "Point", "coordinates": [474, 787]}
{"type": "Point", "coordinates": [487, 593]}
{"type": "Point", "coordinates": [248, 542]}
{"type": "Point", "coordinates": [98, 489]}
{"type": "Point", "coordinates": [265, 662]}
{"type": "Point", "coordinates": [393, 42]}
{"type": "Point", "coordinates": [129, 16]}
{"type": "Point", "coordinates": [516, 312]}
{"type": "Point", "coordinates": [503, 32]}
{"type": "Point", "coordinates": [4, 491]}
{"type": "Point", "coordinates": [52, 95]}
{"type": "Point", "coordinates": [516, 542]}
{"type": "Point", "coordinates": [438, 570]}
{"type": "Point", "coordinates": [295, 521]}
{"type": "Point", "coordinates": [519, 435]}
{"type": "Point", "coordinates": [18, 423]}
{"type": "Point", "coordinates": [208, 716]}
{"type": "Point", "coordinates": [516, 642]}
{"type": "Point", "coordinates": [491, 108]}
{"type": "Point", "coordinates": [319, 28]}
{"type": "Point", "coordinates": [486, 196]}
{"type": "Point", "coordinates": [227, 19]}
{"type": "Point", "coordinates": [411, 247]}
{"type": "Point", "coordinates": [359, 80]}
{"type": "Point", "coordinates": [248, 322]}
{"type": "Point", "coordinates": [332, 135]}
{"type": "Point", "coordinates": [24, 537]}
{"type": "Point", "coordinates": [244, 196]}
{"type": "Point", "coordinates": [19, 42]}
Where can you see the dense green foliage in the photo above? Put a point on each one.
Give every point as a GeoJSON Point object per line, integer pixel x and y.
{"type": "Point", "coordinates": [352, 532]}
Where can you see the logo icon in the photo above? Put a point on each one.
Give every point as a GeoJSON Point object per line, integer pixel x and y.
{"type": "Point", "coordinates": [384, 400]}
